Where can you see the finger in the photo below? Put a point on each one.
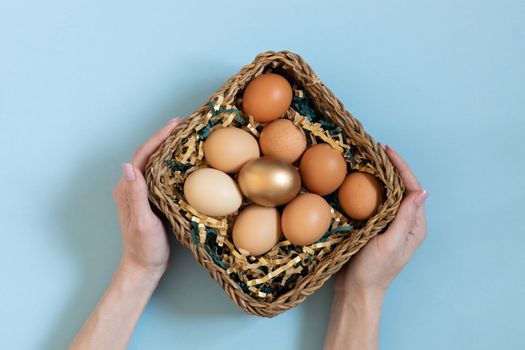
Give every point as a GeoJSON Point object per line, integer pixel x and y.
{"type": "Point", "coordinates": [119, 194]}
{"type": "Point", "coordinates": [141, 156]}
{"type": "Point", "coordinates": [121, 202]}
{"type": "Point", "coordinates": [136, 191]}
{"type": "Point", "coordinates": [408, 177]}
{"type": "Point", "coordinates": [407, 217]}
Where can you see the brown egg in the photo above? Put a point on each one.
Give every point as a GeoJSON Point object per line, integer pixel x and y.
{"type": "Point", "coordinates": [283, 140]}
{"type": "Point", "coordinates": [228, 149]}
{"type": "Point", "coordinates": [306, 219]}
{"type": "Point", "coordinates": [360, 195]}
{"type": "Point", "coordinates": [267, 97]}
{"type": "Point", "coordinates": [322, 169]}
{"type": "Point", "coordinates": [257, 229]}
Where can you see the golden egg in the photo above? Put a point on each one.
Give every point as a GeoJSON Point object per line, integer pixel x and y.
{"type": "Point", "coordinates": [269, 182]}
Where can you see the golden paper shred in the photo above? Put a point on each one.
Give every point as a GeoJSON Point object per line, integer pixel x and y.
{"type": "Point", "coordinates": [189, 147]}
{"type": "Point", "coordinates": [365, 169]}
{"type": "Point", "coordinates": [308, 250]}
{"type": "Point", "coordinates": [202, 233]}
{"type": "Point", "coordinates": [316, 130]}
{"type": "Point", "coordinates": [229, 119]}
{"type": "Point", "coordinates": [204, 123]}
{"type": "Point", "coordinates": [252, 126]}
{"type": "Point", "coordinates": [274, 273]}
{"type": "Point", "coordinates": [313, 141]}
{"type": "Point", "coordinates": [221, 236]}
{"type": "Point", "coordinates": [257, 292]}
{"type": "Point", "coordinates": [326, 243]}
{"type": "Point", "coordinates": [201, 151]}
{"type": "Point", "coordinates": [201, 218]}
{"type": "Point", "coordinates": [217, 102]}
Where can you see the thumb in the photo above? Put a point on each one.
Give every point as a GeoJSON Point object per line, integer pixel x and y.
{"type": "Point", "coordinates": [136, 190]}
{"type": "Point", "coordinates": [407, 216]}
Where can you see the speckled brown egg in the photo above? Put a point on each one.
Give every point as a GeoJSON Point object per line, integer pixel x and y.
{"type": "Point", "coordinates": [267, 97]}
{"type": "Point", "coordinates": [360, 195]}
{"type": "Point", "coordinates": [306, 219]}
{"type": "Point", "coordinates": [322, 169]}
{"type": "Point", "coordinates": [283, 140]}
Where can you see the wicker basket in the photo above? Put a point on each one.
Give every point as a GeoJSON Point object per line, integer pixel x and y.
{"type": "Point", "coordinates": [161, 178]}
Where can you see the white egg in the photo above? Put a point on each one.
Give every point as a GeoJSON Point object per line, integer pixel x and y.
{"type": "Point", "coordinates": [212, 192]}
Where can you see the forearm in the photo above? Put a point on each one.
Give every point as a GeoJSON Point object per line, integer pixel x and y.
{"type": "Point", "coordinates": [354, 321]}
{"type": "Point", "coordinates": [111, 323]}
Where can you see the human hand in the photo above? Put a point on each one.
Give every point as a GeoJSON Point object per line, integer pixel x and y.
{"type": "Point", "coordinates": [145, 245]}
{"type": "Point", "coordinates": [376, 265]}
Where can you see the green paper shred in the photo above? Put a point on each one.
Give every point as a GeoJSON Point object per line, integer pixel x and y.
{"type": "Point", "coordinates": [195, 233]}
{"type": "Point", "coordinates": [342, 229]}
{"type": "Point", "coordinates": [333, 201]}
{"type": "Point", "coordinates": [209, 244]}
{"type": "Point", "coordinates": [212, 248]}
{"type": "Point", "coordinates": [175, 166]}
{"type": "Point", "coordinates": [203, 134]}
{"type": "Point", "coordinates": [241, 284]}
{"type": "Point", "coordinates": [304, 106]}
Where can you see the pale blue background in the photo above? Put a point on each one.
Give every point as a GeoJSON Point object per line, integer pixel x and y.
{"type": "Point", "coordinates": [83, 83]}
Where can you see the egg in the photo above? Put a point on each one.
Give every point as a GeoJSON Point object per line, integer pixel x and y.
{"type": "Point", "coordinates": [283, 140]}
{"type": "Point", "coordinates": [360, 195]}
{"type": "Point", "coordinates": [306, 219]}
{"type": "Point", "coordinates": [257, 229]}
{"type": "Point", "coordinates": [269, 181]}
{"type": "Point", "coordinates": [228, 149]}
{"type": "Point", "coordinates": [267, 97]}
{"type": "Point", "coordinates": [322, 169]}
{"type": "Point", "coordinates": [212, 192]}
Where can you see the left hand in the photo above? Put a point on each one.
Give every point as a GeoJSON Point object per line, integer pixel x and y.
{"type": "Point", "coordinates": [360, 286]}
{"type": "Point", "coordinates": [379, 262]}
{"type": "Point", "coordinates": [144, 241]}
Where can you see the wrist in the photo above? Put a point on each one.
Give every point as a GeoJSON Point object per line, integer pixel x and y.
{"type": "Point", "coordinates": [355, 319]}
{"type": "Point", "coordinates": [139, 274]}
{"type": "Point", "coordinates": [370, 297]}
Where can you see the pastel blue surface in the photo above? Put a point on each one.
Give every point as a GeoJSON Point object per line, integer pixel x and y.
{"type": "Point", "coordinates": [83, 83]}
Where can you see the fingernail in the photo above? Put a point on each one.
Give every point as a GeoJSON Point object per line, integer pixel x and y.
{"type": "Point", "coordinates": [174, 120]}
{"type": "Point", "coordinates": [128, 172]}
{"type": "Point", "coordinates": [421, 198]}
{"type": "Point", "coordinates": [383, 146]}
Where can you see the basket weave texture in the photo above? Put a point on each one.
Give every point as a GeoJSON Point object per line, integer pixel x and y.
{"type": "Point", "coordinates": [161, 191]}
